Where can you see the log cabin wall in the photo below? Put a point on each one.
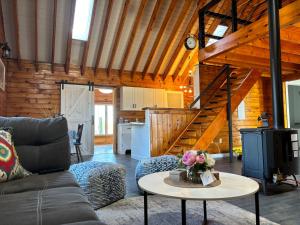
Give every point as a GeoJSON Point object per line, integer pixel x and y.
{"type": "Point", "coordinates": [35, 94]}
{"type": "Point", "coordinates": [2, 103]}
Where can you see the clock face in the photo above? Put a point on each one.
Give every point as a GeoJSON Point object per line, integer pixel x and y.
{"type": "Point", "coordinates": [190, 43]}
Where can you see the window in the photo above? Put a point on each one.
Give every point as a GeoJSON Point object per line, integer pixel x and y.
{"type": "Point", "coordinates": [82, 19]}
{"type": "Point", "coordinates": [241, 111]}
{"type": "Point", "coordinates": [104, 119]}
{"type": "Point", "coordinates": [219, 31]}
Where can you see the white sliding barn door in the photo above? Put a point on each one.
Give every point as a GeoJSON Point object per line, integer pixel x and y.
{"type": "Point", "coordinates": [77, 105]}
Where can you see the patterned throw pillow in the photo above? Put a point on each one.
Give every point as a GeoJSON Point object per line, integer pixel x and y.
{"type": "Point", "coordinates": [10, 167]}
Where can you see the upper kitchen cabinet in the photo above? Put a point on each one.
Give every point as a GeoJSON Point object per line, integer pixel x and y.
{"type": "Point", "coordinates": [174, 99]}
{"type": "Point", "coordinates": [138, 98]}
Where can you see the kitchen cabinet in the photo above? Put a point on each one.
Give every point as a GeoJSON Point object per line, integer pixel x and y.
{"type": "Point", "coordinates": [159, 98]}
{"type": "Point", "coordinates": [124, 138]}
{"type": "Point", "coordinates": [149, 97]}
{"type": "Point", "coordinates": [133, 98]}
{"type": "Point", "coordinates": [174, 99]}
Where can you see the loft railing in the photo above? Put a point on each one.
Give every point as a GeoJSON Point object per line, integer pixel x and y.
{"type": "Point", "coordinates": [209, 91]}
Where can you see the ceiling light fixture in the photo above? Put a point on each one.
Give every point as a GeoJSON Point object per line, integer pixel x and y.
{"type": "Point", "coordinates": [105, 90]}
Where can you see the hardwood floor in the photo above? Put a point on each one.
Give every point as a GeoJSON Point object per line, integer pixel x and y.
{"type": "Point", "coordinates": [283, 207]}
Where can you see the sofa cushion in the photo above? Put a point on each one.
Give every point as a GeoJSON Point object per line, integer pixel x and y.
{"type": "Point", "coordinates": [10, 167]}
{"type": "Point", "coordinates": [42, 144]}
{"type": "Point", "coordinates": [46, 207]}
{"type": "Point", "coordinates": [39, 182]}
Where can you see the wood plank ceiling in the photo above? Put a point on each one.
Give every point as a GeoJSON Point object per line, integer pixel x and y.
{"type": "Point", "coordinates": [143, 36]}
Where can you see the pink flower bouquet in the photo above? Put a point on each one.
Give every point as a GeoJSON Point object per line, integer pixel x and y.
{"type": "Point", "coordinates": [196, 161]}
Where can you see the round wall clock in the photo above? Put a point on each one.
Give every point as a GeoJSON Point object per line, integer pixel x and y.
{"type": "Point", "coordinates": [190, 42]}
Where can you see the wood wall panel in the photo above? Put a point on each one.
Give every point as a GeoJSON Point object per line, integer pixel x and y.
{"type": "Point", "coordinates": [2, 103]}
{"type": "Point", "coordinates": [36, 94]}
{"type": "Point", "coordinates": [101, 98]}
{"type": "Point", "coordinates": [166, 125]}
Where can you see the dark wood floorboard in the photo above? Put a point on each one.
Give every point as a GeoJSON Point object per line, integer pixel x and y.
{"type": "Point", "coordinates": [282, 207]}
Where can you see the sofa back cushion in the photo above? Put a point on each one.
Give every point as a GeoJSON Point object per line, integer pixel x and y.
{"type": "Point", "coordinates": [42, 144]}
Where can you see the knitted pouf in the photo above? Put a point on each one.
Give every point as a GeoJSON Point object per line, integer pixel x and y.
{"type": "Point", "coordinates": [103, 183]}
{"type": "Point", "coordinates": [154, 165]}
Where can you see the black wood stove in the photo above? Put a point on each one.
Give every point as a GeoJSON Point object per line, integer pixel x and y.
{"type": "Point", "coordinates": [270, 154]}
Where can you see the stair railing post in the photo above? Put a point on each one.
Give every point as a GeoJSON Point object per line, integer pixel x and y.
{"type": "Point", "coordinates": [229, 115]}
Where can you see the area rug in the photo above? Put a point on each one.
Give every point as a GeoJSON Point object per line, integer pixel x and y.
{"type": "Point", "coordinates": [166, 211]}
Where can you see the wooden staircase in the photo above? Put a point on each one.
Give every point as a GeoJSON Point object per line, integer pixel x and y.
{"type": "Point", "coordinates": [212, 116]}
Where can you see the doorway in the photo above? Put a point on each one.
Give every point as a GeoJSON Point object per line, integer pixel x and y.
{"type": "Point", "coordinates": [104, 120]}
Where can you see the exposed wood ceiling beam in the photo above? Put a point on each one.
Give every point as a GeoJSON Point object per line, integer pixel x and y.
{"type": "Point", "coordinates": [132, 35]}
{"type": "Point", "coordinates": [2, 31]}
{"type": "Point", "coordinates": [146, 36]}
{"type": "Point", "coordinates": [288, 16]}
{"type": "Point", "coordinates": [179, 21]}
{"type": "Point", "coordinates": [290, 34]}
{"type": "Point", "coordinates": [36, 37]}
{"type": "Point", "coordinates": [255, 60]}
{"type": "Point", "coordinates": [87, 43]}
{"type": "Point", "coordinates": [118, 36]}
{"type": "Point", "coordinates": [104, 31]}
{"type": "Point", "coordinates": [265, 53]}
{"type": "Point", "coordinates": [16, 30]}
{"type": "Point", "coordinates": [159, 36]}
{"type": "Point", "coordinates": [220, 62]}
{"type": "Point", "coordinates": [69, 41]}
{"type": "Point", "coordinates": [286, 47]}
{"type": "Point", "coordinates": [53, 34]}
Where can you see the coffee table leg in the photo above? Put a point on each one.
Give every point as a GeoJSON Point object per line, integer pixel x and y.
{"type": "Point", "coordinates": [145, 208]}
{"type": "Point", "coordinates": [257, 209]}
{"type": "Point", "coordinates": [204, 213]}
{"type": "Point", "coordinates": [183, 211]}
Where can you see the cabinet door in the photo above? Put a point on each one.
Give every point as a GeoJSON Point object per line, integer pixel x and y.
{"type": "Point", "coordinates": [148, 97]}
{"type": "Point", "coordinates": [127, 98]}
{"type": "Point", "coordinates": [159, 98]}
{"type": "Point", "coordinates": [174, 99]}
{"type": "Point", "coordinates": [138, 98]}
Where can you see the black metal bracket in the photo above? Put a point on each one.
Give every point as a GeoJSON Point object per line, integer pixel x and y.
{"type": "Point", "coordinates": [226, 17]}
{"type": "Point", "coordinates": [213, 36]}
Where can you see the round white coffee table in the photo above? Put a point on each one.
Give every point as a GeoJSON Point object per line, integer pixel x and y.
{"type": "Point", "coordinates": [232, 186]}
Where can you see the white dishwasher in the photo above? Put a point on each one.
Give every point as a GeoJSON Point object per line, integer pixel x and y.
{"type": "Point", "coordinates": [124, 137]}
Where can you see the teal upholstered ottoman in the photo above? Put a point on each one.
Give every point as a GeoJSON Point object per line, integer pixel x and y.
{"type": "Point", "coordinates": [103, 183]}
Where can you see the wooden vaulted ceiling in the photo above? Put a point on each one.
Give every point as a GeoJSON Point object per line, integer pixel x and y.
{"type": "Point", "coordinates": [144, 36]}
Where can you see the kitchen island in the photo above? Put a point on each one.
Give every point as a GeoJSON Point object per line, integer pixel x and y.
{"type": "Point", "coordinates": [161, 128]}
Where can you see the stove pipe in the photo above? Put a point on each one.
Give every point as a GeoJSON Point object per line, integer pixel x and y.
{"type": "Point", "coordinates": [275, 63]}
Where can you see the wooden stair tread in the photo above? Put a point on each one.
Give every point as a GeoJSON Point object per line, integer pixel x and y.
{"type": "Point", "coordinates": [184, 145]}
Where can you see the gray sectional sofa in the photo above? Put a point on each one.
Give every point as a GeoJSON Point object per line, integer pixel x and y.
{"type": "Point", "coordinates": [51, 196]}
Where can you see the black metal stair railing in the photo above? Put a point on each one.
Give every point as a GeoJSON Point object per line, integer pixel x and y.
{"type": "Point", "coordinates": [219, 79]}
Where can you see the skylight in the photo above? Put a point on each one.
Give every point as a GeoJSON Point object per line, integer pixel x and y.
{"type": "Point", "coordinates": [219, 31]}
{"type": "Point", "coordinates": [82, 19]}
